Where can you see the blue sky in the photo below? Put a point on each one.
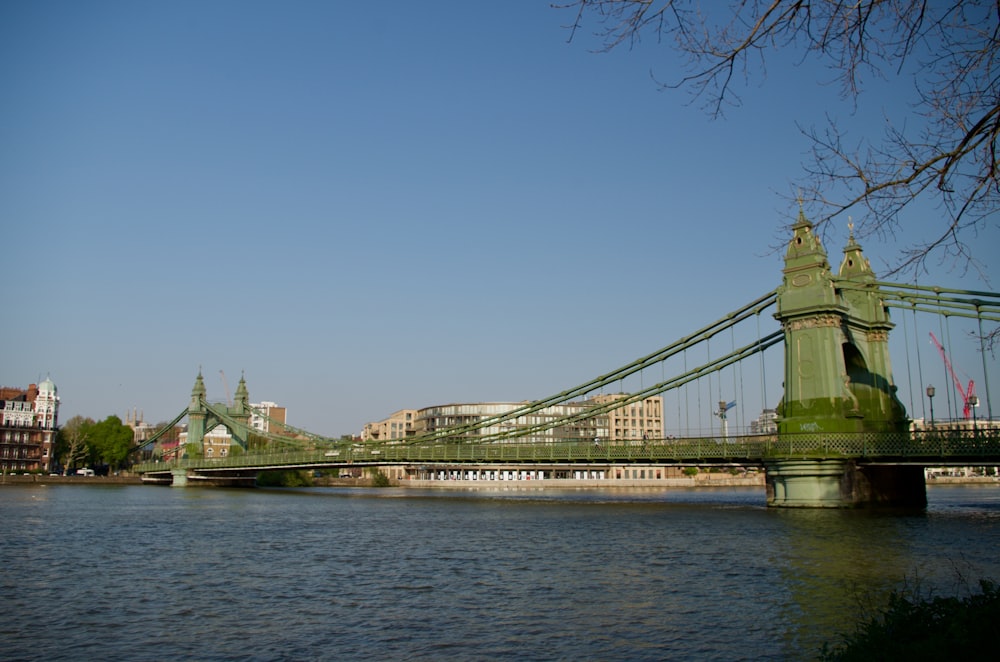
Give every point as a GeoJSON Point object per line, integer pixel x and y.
{"type": "Point", "coordinates": [365, 207]}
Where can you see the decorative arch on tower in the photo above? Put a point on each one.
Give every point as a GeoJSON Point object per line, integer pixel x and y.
{"type": "Point", "coordinates": [203, 416]}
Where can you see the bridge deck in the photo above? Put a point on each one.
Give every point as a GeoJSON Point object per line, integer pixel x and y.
{"type": "Point", "coordinates": [929, 449]}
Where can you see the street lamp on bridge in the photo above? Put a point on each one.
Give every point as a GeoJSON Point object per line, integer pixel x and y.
{"type": "Point", "coordinates": [722, 417]}
{"type": "Point", "coordinates": [930, 396]}
{"type": "Point", "coordinates": [973, 403]}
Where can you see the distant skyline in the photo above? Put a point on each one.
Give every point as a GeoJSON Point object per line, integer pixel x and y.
{"type": "Point", "coordinates": [365, 207]}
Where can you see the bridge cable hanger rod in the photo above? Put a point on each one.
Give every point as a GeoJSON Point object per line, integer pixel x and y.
{"type": "Point", "coordinates": [694, 374]}
{"type": "Point", "coordinates": [741, 314]}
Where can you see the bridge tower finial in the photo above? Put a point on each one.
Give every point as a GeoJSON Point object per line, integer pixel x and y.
{"type": "Point", "coordinates": [855, 265]}
{"type": "Point", "coordinates": [199, 387]}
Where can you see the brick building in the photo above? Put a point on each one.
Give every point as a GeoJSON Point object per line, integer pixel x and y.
{"type": "Point", "coordinates": [28, 428]}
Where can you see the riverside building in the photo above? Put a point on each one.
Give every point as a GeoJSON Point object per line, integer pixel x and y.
{"type": "Point", "coordinates": [28, 428]}
{"type": "Point", "coordinates": [398, 426]}
{"type": "Point", "coordinates": [625, 424]}
{"type": "Point", "coordinates": [267, 417]}
{"type": "Point", "coordinates": [439, 418]}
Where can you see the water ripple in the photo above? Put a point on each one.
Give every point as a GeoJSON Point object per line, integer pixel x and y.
{"type": "Point", "coordinates": [140, 573]}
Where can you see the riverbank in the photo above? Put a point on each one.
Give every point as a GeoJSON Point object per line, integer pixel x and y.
{"type": "Point", "coordinates": [963, 480]}
{"type": "Point", "coordinates": [699, 481]}
{"type": "Point", "coordinates": [45, 479]}
{"type": "Point", "coordinates": [129, 479]}
{"type": "Point", "coordinates": [583, 483]}
{"type": "Point", "coordinates": [702, 480]}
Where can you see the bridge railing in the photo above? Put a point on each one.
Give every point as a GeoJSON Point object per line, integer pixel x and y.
{"type": "Point", "coordinates": [918, 446]}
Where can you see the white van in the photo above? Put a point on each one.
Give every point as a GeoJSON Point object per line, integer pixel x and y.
{"type": "Point", "coordinates": [84, 472]}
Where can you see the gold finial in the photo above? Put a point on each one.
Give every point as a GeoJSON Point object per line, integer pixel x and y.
{"type": "Point", "coordinates": [850, 227]}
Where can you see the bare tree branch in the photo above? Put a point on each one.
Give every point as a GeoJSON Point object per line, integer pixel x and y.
{"type": "Point", "coordinates": [945, 151]}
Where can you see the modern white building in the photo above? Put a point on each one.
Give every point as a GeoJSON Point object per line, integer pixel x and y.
{"type": "Point", "coordinates": [766, 423]}
{"type": "Point", "coordinates": [633, 422]}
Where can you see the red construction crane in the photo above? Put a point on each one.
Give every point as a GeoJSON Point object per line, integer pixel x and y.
{"type": "Point", "coordinates": [965, 393]}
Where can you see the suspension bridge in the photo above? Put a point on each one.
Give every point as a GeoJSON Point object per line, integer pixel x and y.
{"type": "Point", "coordinates": [839, 437]}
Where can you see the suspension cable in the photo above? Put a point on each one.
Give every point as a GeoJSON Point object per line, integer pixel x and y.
{"type": "Point", "coordinates": [986, 373]}
{"type": "Point", "coordinates": [763, 372]}
{"type": "Point", "coordinates": [909, 368]}
{"type": "Point", "coordinates": [942, 329]}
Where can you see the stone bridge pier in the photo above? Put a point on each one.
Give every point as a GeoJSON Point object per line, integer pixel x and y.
{"type": "Point", "coordinates": [184, 478]}
{"type": "Point", "coordinates": [843, 484]}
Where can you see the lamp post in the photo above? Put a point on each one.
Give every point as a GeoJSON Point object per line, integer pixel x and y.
{"type": "Point", "coordinates": [973, 403]}
{"type": "Point", "coordinates": [930, 396]}
{"type": "Point", "coordinates": [722, 417]}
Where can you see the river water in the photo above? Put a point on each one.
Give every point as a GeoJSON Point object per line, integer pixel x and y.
{"type": "Point", "coordinates": [148, 573]}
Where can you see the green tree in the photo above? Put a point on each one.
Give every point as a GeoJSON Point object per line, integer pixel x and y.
{"type": "Point", "coordinates": [72, 450]}
{"type": "Point", "coordinates": [942, 147]}
{"type": "Point", "coordinates": [110, 442]}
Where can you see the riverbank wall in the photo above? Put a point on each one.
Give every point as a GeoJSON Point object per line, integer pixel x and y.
{"type": "Point", "coordinates": [707, 480]}
{"type": "Point", "coordinates": [700, 481]}
{"type": "Point", "coordinates": [573, 483]}
{"type": "Point", "coordinates": [963, 480]}
{"type": "Point", "coordinates": [45, 479]}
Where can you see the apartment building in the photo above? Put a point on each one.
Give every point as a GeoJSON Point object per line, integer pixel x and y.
{"type": "Point", "coordinates": [29, 426]}
{"type": "Point", "coordinates": [631, 422]}
{"type": "Point", "coordinates": [267, 417]}
{"type": "Point", "coordinates": [628, 422]}
{"type": "Point", "coordinates": [441, 417]}
{"type": "Point", "coordinates": [399, 425]}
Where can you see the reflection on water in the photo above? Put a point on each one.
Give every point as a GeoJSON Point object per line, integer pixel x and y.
{"type": "Point", "coordinates": [158, 573]}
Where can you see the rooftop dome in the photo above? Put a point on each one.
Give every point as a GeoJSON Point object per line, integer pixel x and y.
{"type": "Point", "coordinates": [47, 386]}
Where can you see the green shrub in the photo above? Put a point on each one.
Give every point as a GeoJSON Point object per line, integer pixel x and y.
{"type": "Point", "coordinates": [288, 478]}
{"type": "Point", "coordinates": [922, 628]}
{"type": "Point", "coordinates": [379, 479]}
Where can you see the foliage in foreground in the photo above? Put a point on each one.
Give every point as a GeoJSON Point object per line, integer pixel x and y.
{"type": "Point", "coordinates": [911, 628]}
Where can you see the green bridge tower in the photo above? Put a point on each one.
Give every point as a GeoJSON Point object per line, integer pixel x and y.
{"type": "Point", "coordinates": [837, 379]}
{"type": "Point", "coordinates": [201, 419]}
